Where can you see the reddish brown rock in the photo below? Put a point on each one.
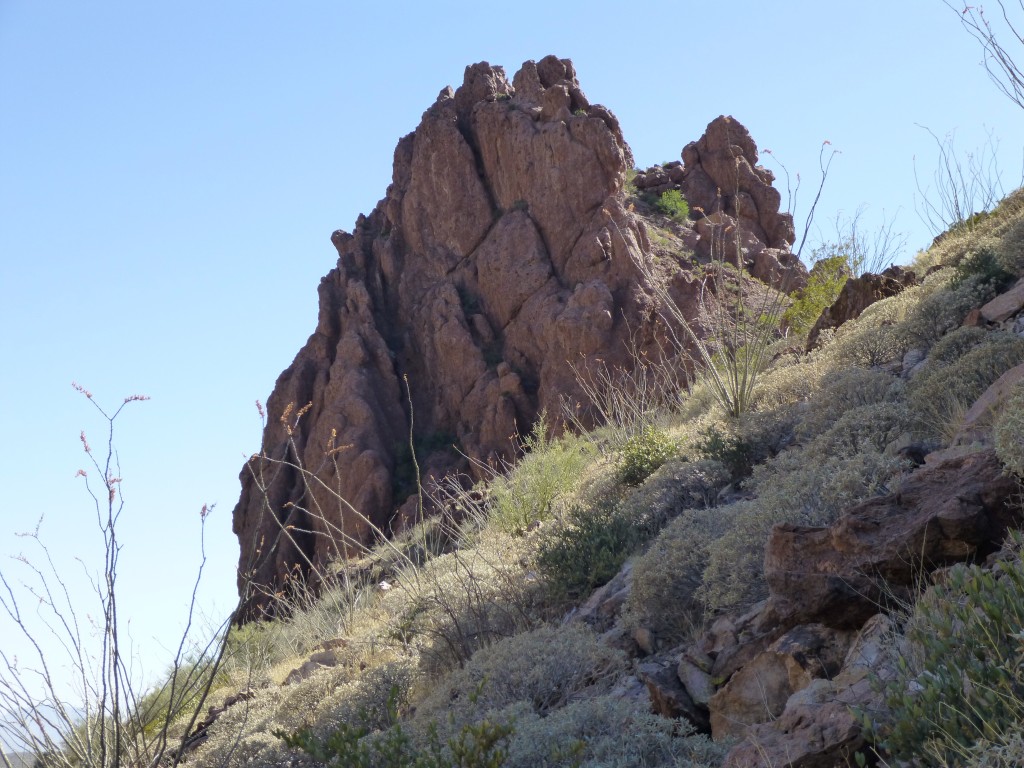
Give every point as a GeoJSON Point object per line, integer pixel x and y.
{"type": "Point", "coordinates": [819, 727]}
{"type": "Point", "coordinates": [957, 510]}
{"type": "Point", "coordinates": [758, 692]}
{"type": "Point", "coordinates": [501, 259]}
{"type": "Point", "coordinates": [668, 696]}
{"type": "Point", "coordinates": [733, 203]}
{"type": "Point", "coordinates": [500, 255]}
{"type": "Point", "coordinates": [858, 294]}
{"type": "Point", "coordinates": [1006, 305]}
{"type": "Point", "coordinates": [721, 174]}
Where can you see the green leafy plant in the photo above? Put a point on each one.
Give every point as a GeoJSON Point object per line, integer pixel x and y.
{"type": "Point", "coordinates": [549, 470]}
{"type": "Point", "coordinates": [734, 453]}
{"type": "Point", "coordinates": [827, 278]}
{"type": "Point", "coordinates": [643, 453]}
{"type": "Point", "coordinates": [674, 205]}
{"type": "Point", "coordinates": [960, 679]}
{"type": "Point", "coordinates": [587, 548]}
{"type": "Point", "coordinates": [478, 745]}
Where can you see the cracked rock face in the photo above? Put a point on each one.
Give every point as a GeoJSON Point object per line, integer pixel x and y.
{"type": "Point", "coordinates": [498, 265]}
{"type": "Point", "coordinates": [498, 260]}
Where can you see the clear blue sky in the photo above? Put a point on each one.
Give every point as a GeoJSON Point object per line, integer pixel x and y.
{"type": "Point", "coordinates": [170, 175]}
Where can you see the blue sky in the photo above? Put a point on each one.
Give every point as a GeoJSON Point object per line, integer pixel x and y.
{"type": "Point", "coordinates": [170, 175]}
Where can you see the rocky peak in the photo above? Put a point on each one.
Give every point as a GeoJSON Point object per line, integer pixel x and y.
{"type": "Point", "coordinates": [500, 259]}
{"type": "Point", "coordinates": [732, 199]}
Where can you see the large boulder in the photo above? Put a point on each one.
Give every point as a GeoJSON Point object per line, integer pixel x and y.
{"type": "Point", "coordinates": [953, 511]}
{"type": "Point", "coordinates": [758, 692]}
{"type": "Point", "coordinates": [818, 727]}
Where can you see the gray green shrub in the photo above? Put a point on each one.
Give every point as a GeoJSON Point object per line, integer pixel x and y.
{"type": "Point", "coordinates": [943, 391]}
{"type": "Point", "coordinates": [942, 308]}
{"type": "Point", "coordinates": [477, 745]}
{"type": "Point", "coordinates": [1009, 432]}
{"type": "Point", "coordinates": [843, 390]}
{"type": "Point", "coordinates": [546, 668]}
{"type": "Point", "coordinates": [645, 452]}
{"type": "Point", "coordinates": [960, 679]}
{"type": "Point", "coordinates": [606, 732]}
{"type": "Point", "coordinates": [1010, 254]}
{"type": "Point", "coordinates": [666, 578]}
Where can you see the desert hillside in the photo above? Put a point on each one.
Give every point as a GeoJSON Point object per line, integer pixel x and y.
{"type": "Point", "coordinates": [583, 467]}
{"type": "Point", "coordinates": [586, 464]}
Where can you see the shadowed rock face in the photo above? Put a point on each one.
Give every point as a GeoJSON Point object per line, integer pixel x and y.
{"type": "Point", "coordinates": [499, 258]}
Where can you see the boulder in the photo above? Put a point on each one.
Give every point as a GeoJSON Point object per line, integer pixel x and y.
{"type": "Point", "coordinates": [758, 692]}
{"type": "Point", "coordinates": [1006, 305]}
{"type": "Point", "coordinates": [956, 510]}
{"type": "Point", "coordinates": [668, 696]}
{"type": "Point", "coordinates": [858, 294]}
{"type": "Point", "coordinates": [818, 726]}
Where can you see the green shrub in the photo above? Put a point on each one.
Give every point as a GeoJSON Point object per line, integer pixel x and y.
{"type": "Point", "coordinates": [827, 278]}
{"type": "Point", "coordinates": [985, 264]}
{"type": "Point", "coordinates": [586, 548]}
{"type": "Point", "coordinates": [667, 576]}
{"type": "Point", "coordinates": [549, 471]}
{"type": "Point", "coordinates": [941, 393]}
{"type": "Point", "coordinates": [960, 679]}
{"type": "Point", "coordinates": [1009, 432]}
{"type": "Point", "coordinates": [674, 205]}
{"type": "Point", "coordinates": [645, 452]}
{"type": "Point", "coordinates": [734, 453]}
{"type": "Point", "coordinates": [546, 668]}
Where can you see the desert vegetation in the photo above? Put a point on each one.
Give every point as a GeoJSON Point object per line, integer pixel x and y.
{"type": "Point", "coordinates": [456, 644]}
{"type": "Point", "coordinates": [546, 610]}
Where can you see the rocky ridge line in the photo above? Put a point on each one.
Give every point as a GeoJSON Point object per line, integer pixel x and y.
{"type": "Point", "coordinates": [500, 258]}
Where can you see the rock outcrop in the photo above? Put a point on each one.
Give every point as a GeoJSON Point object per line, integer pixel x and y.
{"type": "Point", "coordinates": [957, 510]}
{"type": "Point", "coordinates": [785, 679]}
{"type": "Point", "coordinates": [735, 206]}
{"type": "Point", "coordinates": [858, 294]}
{"type": "Point", "coordinates": [499, 263]}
